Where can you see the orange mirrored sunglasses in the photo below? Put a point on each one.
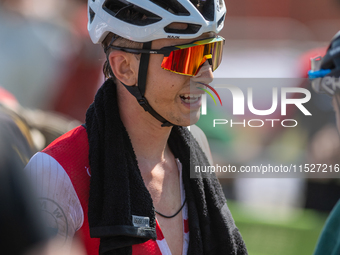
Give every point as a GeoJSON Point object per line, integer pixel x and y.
{"type": "Point", "coordinates": [187, 59]}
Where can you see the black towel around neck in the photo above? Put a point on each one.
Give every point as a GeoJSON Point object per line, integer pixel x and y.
{"type": "Point", "coordinates": [121, 211]}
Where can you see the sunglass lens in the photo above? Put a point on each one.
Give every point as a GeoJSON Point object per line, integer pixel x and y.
{"type": "Point", "coordinates": [188, 60]}
{"type": "Point", "coordinates": [217, 53]}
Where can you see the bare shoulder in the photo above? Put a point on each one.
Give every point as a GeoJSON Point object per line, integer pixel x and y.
{"type": "Point", "coordinates": [202, 140]}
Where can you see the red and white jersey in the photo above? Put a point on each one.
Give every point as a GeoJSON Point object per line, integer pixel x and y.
{"type": "Point", "coordinates": [61, 177]}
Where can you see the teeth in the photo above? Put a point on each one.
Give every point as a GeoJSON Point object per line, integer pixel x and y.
{"type": "Point", "coordinates": [190, 98]}
{"type": "Point", "coordinates": [190, 95]}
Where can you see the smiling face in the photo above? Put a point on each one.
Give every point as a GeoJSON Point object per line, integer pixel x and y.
{"type": "Point", "coordinates": [175, 96]}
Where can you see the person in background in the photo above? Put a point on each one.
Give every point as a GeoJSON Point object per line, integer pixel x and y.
{"type": "Point", "coordinates": [23, 230]}
{"type": "Point", "coordinates": [325, 76]}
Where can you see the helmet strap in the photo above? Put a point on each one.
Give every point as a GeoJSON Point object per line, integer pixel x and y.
{"type": "Point", "coordinates": [139, 91]}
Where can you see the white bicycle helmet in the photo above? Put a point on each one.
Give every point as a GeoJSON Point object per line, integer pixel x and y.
{"type": "Point", "coordinates": [154, 18]}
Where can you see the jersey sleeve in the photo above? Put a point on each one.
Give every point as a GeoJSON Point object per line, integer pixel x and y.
{"type": "Point", "coordinates": [59, 203]}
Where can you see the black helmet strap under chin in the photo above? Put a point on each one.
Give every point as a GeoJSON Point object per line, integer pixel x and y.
{"type": "Point", "coordinates": [139, 91]}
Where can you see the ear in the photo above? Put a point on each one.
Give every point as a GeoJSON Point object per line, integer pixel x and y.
{"type": "Point", "coordinates": [124, 66]}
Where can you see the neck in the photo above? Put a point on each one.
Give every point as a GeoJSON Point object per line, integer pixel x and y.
{"type": "Point", "coordinates": [149, 140]}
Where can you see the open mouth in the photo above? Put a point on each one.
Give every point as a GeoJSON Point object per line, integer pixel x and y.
{"type": "Point", "coordinates": [190, 98]}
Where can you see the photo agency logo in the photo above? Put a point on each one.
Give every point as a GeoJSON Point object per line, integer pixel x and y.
{"type": "Point", "coordinates": [277, 94]}
{"type": "Point", "coordinates": [204, 103]}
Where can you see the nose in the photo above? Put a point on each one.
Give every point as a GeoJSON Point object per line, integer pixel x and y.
{"type": "Point", "coordinates": [205, 74]}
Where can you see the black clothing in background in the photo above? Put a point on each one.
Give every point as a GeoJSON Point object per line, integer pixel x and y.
{"type": "Point", "coordinates": [21, 228]}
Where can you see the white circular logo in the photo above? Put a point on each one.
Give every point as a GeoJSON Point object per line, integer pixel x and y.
{"type": "Point", "coordinates": [55, 219]}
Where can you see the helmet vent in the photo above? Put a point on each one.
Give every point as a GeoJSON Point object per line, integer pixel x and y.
{"type": "Point", "coordinates": [172, 6]}
{"type": "Point", "coordinates": [130, 13]}
{"type": "Point", "coordinates": [92, 14]}
{"type": "Point", "coordinates": [190, 28]}
{"type": "Point", "coordinates": [220, 4]}
{"type": "Point", "coordinates": [205, 7]}
{"type": "Point", "coordinates": [219, 22]}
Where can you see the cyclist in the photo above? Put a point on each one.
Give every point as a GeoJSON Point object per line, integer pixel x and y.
{"type": "Point", "coordinates": [123, 179]}
{"type": "Point", "coordinates": [325, 75]}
